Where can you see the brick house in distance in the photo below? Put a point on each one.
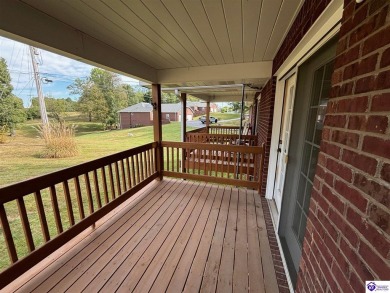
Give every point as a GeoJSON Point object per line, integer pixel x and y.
{"type": "Point", "coordinates": [141, 114]}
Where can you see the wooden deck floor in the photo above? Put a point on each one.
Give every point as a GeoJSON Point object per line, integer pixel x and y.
{"type": "Point", "coordinates": [173, 236]}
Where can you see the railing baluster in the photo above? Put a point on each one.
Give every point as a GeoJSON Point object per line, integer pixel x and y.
{"type": "Point", "coordinates": [133, 171]}
{"type": "Point", "coordinates": [13, 256]}
{"type": "Point", "coordinates": [79, 197]}
{"type": "Point", "coordinates": [97, 189]}
{"type": "Point", "coordinates": [248, 161]}
{"type": "Point", "coordinates": [128, 173]}
{"type": "Point", "coordinates": [118, 179]}
{"type": "Point", "coordinates": [68, 202]}
{"type": "Point", "coordinates": [138, 171]}
{"type": "Point", "coordinates": [177, 160]}
{"type": "Point", "coordinates": [124, 185]}
{"type": "Point", "coordinates": [145, 164]}
{"type": "Point", "coordinates": [241, 165]}
{"type": "Point", "coordinates": [25, 224]}
{"type": "Point", "coordinates": [112, 185]}
{"type": "Point", "coordinates": [150, 155]}
{"type": "Point", "coordinates": [89, 193]}
{"type": "Point", "coordinates": [105, 189]}
{"type": "Point", "coordinates": [199, 155]}
{"type": "Point", "coordinates": [42, 215]}
{"type": "Point", "coordinates": [56, 210]}
{"type": "Point", "coordinates": [167, 156]}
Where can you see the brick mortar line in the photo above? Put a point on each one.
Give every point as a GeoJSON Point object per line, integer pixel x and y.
{"type": "Point", "coordinates": [352, 247]}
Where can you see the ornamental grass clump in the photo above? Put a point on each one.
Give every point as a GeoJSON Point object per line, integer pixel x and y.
{"type": "Point", "coordinates": [59, 140]}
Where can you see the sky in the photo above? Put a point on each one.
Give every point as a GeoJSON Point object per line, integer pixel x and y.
{"type": "Point", "coordinates": [61, 70]}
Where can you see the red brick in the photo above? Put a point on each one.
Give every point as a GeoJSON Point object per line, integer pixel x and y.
{"type": "Point", "coordinates": [377, 264]}
{"type": "Point", "coordinates": [346, 138]}
{"type": "Point", "coordinates": [377, 124]}
{"type": "Point", "coordinates": [356, 283]}
{"type": "Point", "coordinates": [344, 228]}
{"type": "Point", "coordinates": [352, 195]}
{"type": "Point", "coordinates": [335, 120]}
{"type": "Point", "coordinates": [325, 134]}
{"type": "Point", "coordinates": [355, 261]}
{"type": "Point", "coordinates": [330, 149]}
{"type": "Point", "coordinates": [346, 89]}
{"type": "Point", "coordinates": [348, 57]}
{"type": "Point", "coordinates": [339, 169]}
{"type": "Point", "coordinates": [376, 41]}
{"type": "Point", "coordinates": [362, 162]}
{"type": "Point", "coordinates": [383, 80]}
{"type": "Point", "coordinates": [377, 191]}
{"type": "Point", "coordinates": [380, 218]}
{"type": "Point", "coordinates": [381, 103]}
{"type": "Point", "coordinates": [365, 84]}
{"type": "Point", "coordinates": [343, 283]}
{"type": "Point", "coordinates": [375, 5]}
{"type": "Point", "coordinates": [377, 146]}
{"type": "Point", "coordinates": [385, 172]}
{"type": "Point", "coordinates": [337, 76]}
{"type": "Point", "coordinates": [354, 105]}
{"type": "Point", "coordinates": [357, 122]}
{"type": "Point", "coordinates": [329, 179]}
{"type": "Point", "coordinates": [358, 68]}
{"type": "Point", "coordinates": [366, 29]}
{"type": "Point", "coordinates": [369, 232]}
{"type": "Point", "coordinates": [333, 199]}
{"type": "Point", "coordinates": [385, 60]}
{"type": "Point", "coordinates": [322, 203]}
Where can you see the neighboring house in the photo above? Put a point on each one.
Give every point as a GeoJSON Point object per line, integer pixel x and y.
{"type": "Point", "coordinates": [199, 108]}
{"type": "Point", "coordinates": [141, 114]}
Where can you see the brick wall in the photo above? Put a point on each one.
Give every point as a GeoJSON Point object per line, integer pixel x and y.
{"type": "Point", "coordinates": [265, 112]}
{"type": "Point", "coordinates": [308, 14]}
{"type": "Point", "coordinates": [347, 238]}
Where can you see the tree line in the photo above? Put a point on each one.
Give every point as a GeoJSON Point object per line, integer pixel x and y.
{"type": "Point", "coordinates": [100, 96]}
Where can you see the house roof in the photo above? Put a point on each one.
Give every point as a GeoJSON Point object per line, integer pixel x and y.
{"type": "Point", "coordinates": [146, 108]}
{"type": "Point", "coordinates": [138, 108]}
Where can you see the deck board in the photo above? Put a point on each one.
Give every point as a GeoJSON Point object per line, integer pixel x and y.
{"type": "Point", "coordinates": [178, 236]}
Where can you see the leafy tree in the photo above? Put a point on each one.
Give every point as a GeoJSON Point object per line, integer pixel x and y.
{"type": "Point", "coordinates": [169, 98]}
{"type": "Point", "coordinates": [11, 107]}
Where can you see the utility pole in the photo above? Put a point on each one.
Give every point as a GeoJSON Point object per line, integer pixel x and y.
{"type": "Point", "coordinates": [41, 99]}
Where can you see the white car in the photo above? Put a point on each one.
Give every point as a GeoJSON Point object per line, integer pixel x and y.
{"type": "Point", "coordinates": [212, 119]}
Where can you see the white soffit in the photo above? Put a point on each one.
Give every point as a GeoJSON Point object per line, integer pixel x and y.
{"type": "Point", "coordinates": [162, 34]}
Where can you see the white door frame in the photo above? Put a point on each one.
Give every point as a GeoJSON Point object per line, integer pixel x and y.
{"type": "Point", "coordinates": [326, 27]}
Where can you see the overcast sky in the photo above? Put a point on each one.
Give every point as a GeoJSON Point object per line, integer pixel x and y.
{"type": "Point", "coordinates": [61, 70]}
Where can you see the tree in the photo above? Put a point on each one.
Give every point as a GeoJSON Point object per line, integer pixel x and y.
{"type": "Point", "coordinates": [11, 107]}
{"type": "Point", "coordinates": [101, 96]}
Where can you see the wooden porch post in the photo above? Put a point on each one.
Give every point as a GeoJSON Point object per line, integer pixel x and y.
{"type": "Point", "coordinates": [157, 129]}
{"type": "Point", "coordinates": [207, 116]}
{"type": "Point", "coordinates": [183, 98]}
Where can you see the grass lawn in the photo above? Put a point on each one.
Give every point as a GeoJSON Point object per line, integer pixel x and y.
{"type": "Point", "coordinates": [20, 160]}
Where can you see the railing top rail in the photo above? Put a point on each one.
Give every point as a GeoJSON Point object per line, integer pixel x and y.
{"type": "Point", "coordinates": [14, 191]}
{"type": "Point", "coordinates": [224, 135]}
{"type": "Point", "coordinates": [214, 147]}
{"type": "Point", "coordinates": [224, 127]}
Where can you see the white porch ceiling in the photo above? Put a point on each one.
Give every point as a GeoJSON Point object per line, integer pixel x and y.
{"type": "Point", "coordinates": [160, 41]}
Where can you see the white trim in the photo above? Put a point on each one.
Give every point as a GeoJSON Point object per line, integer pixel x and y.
{"type": "Point", "coordinates": [325, 27]}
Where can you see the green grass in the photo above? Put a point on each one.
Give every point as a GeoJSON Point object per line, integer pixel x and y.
{"type": "Point", "coordinates": [20, 160]}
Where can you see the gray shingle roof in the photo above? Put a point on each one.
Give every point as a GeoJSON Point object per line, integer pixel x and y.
{"type": "Point", "coordinates": [146, 107]}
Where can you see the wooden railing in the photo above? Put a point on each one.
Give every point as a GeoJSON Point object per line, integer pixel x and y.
{"type": "Point", "coordinates": [224, 129]}
{"type": "Point", "coordinates": [223, 164]}
{"type": "Point", "coordinates": [67, 202]}
{"type": "Point", "coordinates": [228, 139]}
{"type": "Point", "coordinates": [197, 130]}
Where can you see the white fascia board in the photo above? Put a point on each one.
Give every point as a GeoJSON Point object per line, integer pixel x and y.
{"type": "Point", "coordinates": [226, 72]}
{"type": "Point", "coordinates": [23, 23]}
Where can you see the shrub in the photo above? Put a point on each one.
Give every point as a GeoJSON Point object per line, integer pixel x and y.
{"type": "Point", "coordinates": [4, 134]}
{"type": "Point", "coordinates": [59, 140]}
